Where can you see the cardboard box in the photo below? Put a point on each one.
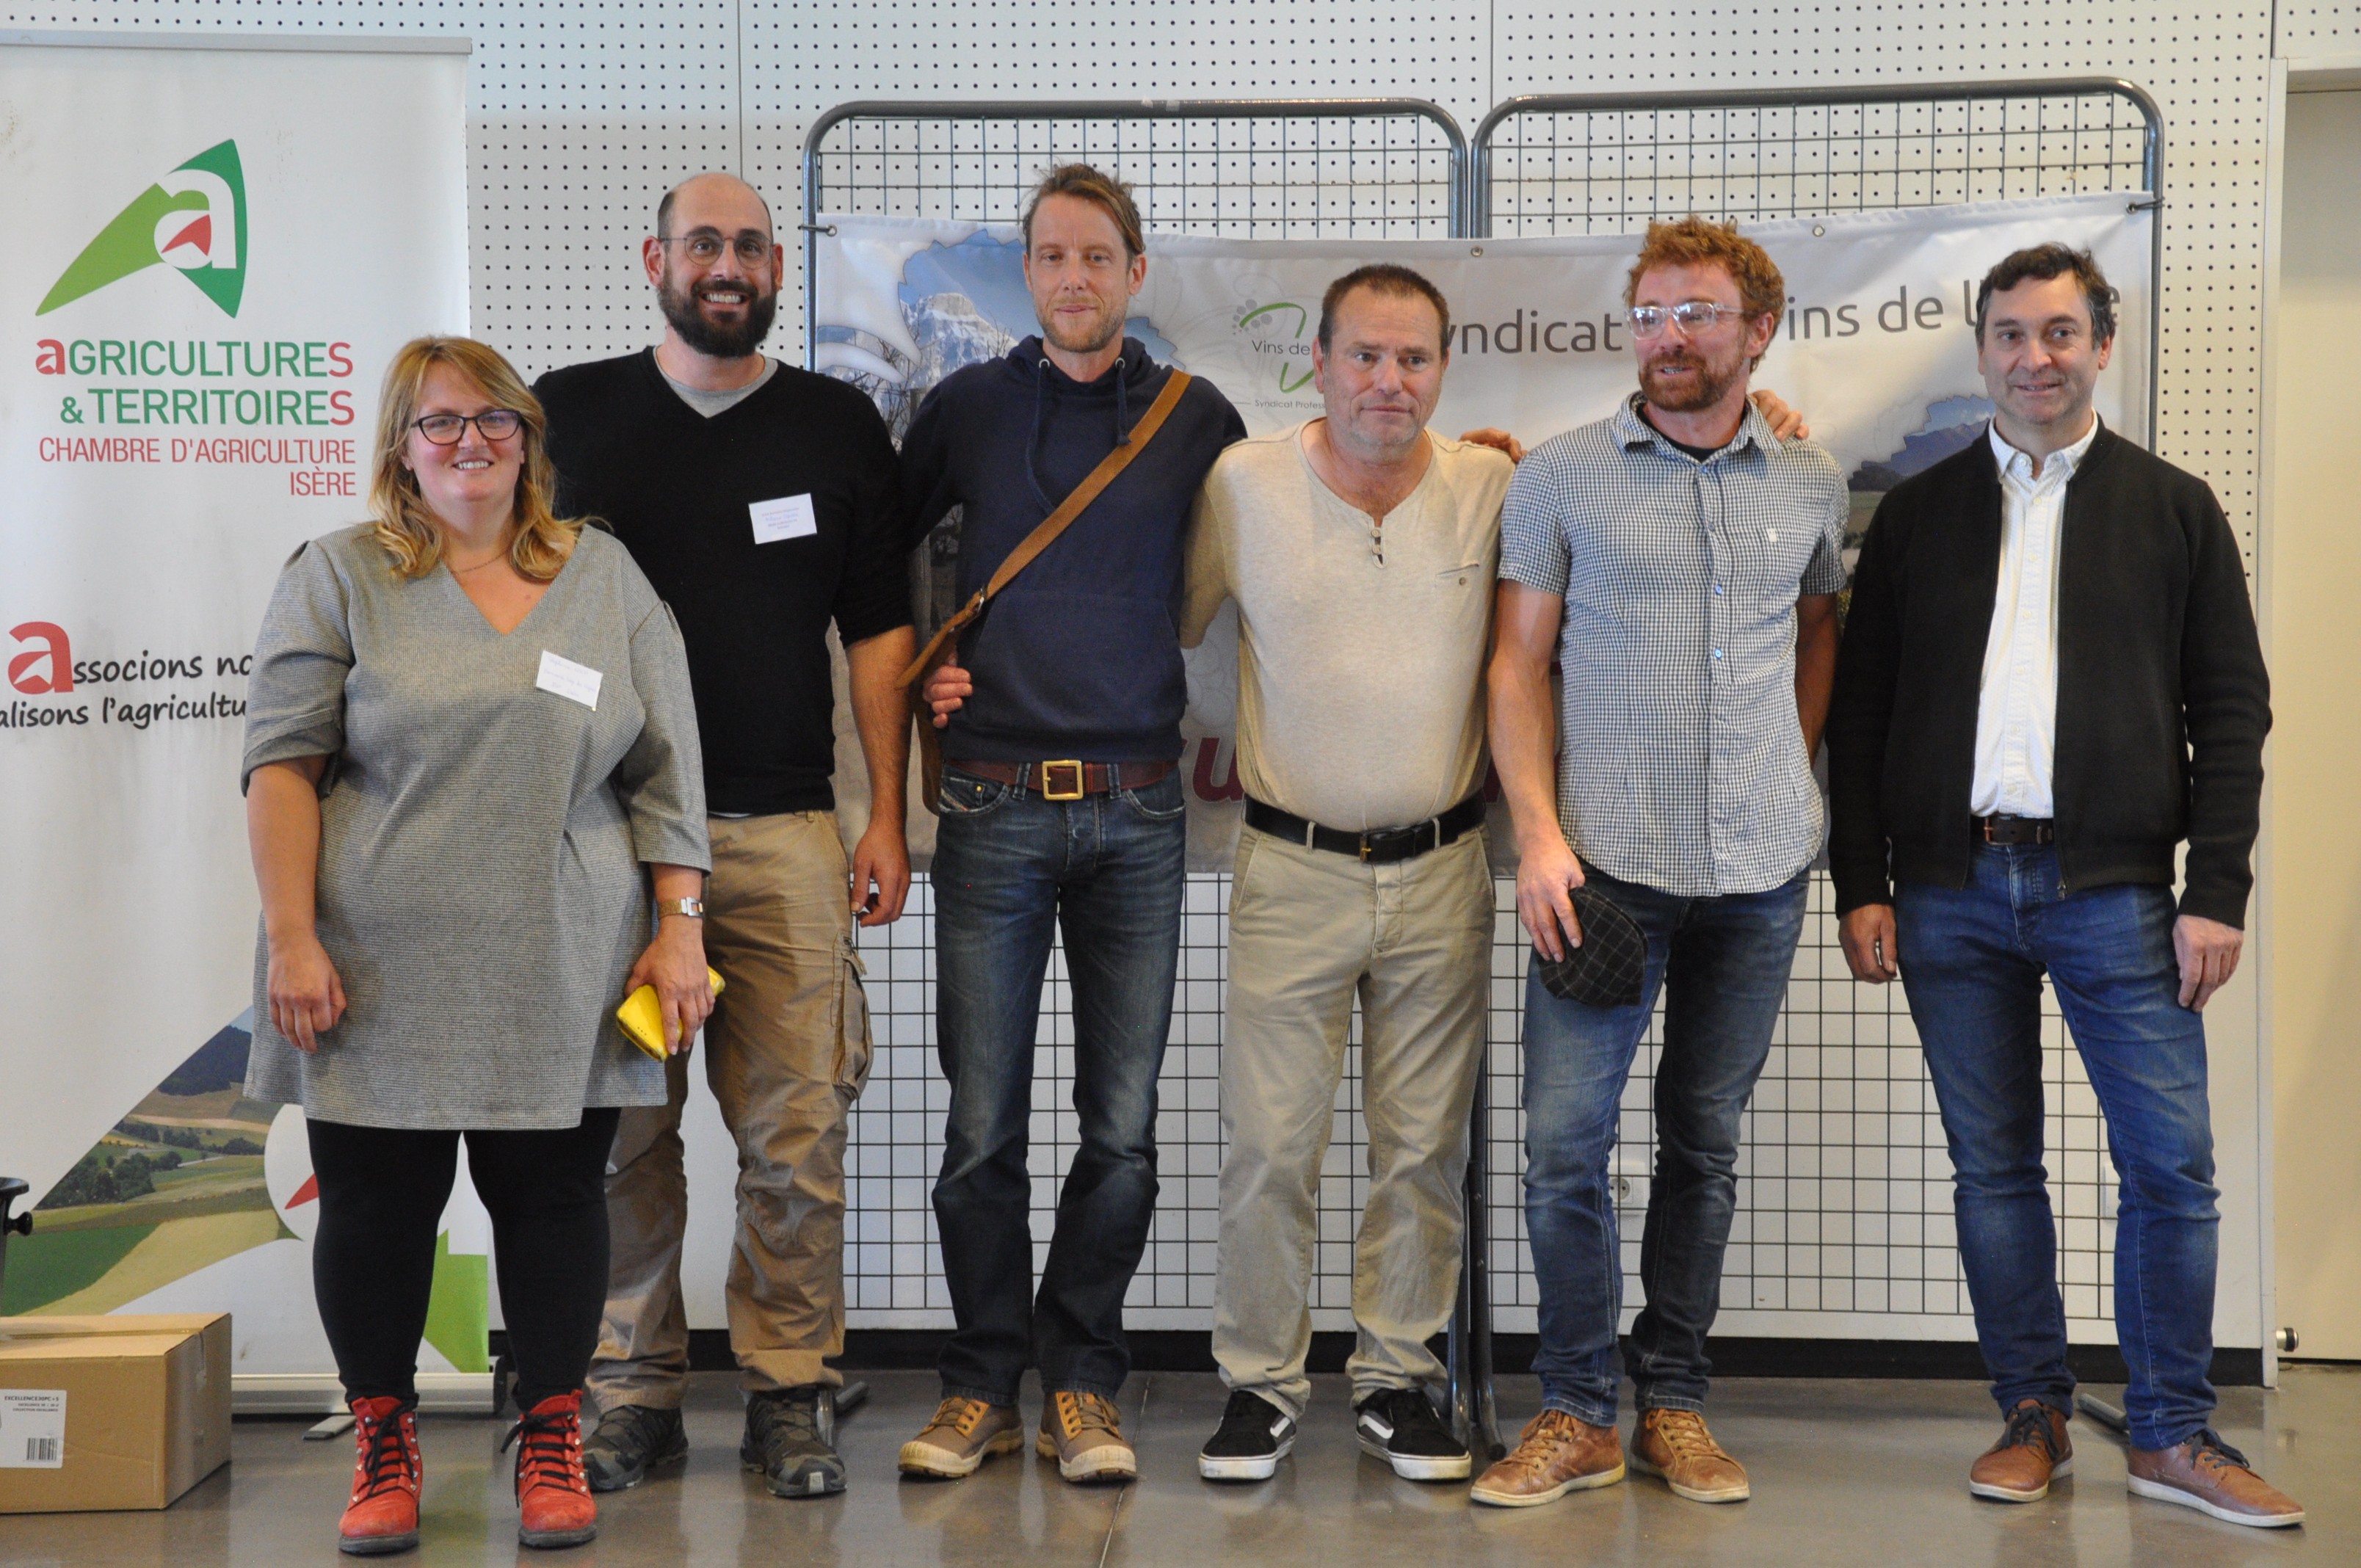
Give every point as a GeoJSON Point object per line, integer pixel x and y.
{"type": "Point", "coordinates": [112, 1412]}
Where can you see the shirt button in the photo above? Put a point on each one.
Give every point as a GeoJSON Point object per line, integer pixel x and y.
{"type": "Point", "coordinates": [1717, 590]}
{"type": "Point", "coordinates": [1717, 653]}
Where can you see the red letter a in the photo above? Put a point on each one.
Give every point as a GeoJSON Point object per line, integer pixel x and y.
{"type": "Point", "coordinates": [60, 653]}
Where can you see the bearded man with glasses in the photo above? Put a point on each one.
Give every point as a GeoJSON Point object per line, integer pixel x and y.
{"type": "Point", "coordinates": [1679, 562]}
{"type": "Point", "coordinates": [762, 502]}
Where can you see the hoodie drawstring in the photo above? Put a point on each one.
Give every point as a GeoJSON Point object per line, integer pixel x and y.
{"type": "Point", "coordinates": [1041, 424]}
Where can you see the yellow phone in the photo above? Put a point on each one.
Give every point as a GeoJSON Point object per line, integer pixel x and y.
{"type": "Point", "coordinates": [641, 1016]}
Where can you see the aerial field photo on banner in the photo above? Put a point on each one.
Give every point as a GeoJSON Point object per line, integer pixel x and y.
{"type": "Point", "coordinates": [219, 249]}
{"type": "Point", "coordinates": [1876, 347]}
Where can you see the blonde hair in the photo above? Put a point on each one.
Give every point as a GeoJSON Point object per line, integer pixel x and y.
{"type": "Point", "coordinates": [540, 539]}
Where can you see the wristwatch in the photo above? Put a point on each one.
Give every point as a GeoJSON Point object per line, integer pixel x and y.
{"type": "Point", "coordinates": [692, 907]}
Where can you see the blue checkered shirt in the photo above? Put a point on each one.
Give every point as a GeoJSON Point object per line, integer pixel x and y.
{"type": "Point", "coordinates": [1681, 763]}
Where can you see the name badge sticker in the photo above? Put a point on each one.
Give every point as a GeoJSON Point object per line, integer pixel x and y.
{"type": "Point", "coordinates": [576, 683]}
{"type": "Point", "coordinates": [788, 517]}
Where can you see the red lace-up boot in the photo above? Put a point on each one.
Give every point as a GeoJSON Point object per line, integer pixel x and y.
{"type": "Point", "coordinates": [553, 1503]}
{"type": "Point", "coordinates": [382, 1516]}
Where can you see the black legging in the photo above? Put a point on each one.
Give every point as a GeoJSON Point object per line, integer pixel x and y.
{"type": "Point", "coordinates": [382, 1190]}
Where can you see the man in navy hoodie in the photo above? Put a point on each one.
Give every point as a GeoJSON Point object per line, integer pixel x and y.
{"type": "Point", "coordinates": [1060, 809]}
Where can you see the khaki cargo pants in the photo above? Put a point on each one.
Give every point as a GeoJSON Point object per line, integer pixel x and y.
{"type": "Point", "coordinates": [1310, 932]}
{"type": "Point", "coordinates": [785, 1052]}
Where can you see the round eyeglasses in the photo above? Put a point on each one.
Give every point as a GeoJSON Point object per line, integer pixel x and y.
{"type": "Point", "coordinates": [705, 248]}
{"type": "Point", "coordinates": [492, 424]}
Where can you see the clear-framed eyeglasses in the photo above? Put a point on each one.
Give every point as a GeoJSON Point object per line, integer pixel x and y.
{"type": "Point", "coordinates": [492, 424]}
{"type": "Point", "coordinates": [1692, 316]}
{"type": "Point", "coordinates": [705, 246]}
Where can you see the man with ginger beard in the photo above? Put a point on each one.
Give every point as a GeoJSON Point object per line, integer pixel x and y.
{"type": "Point", "coordinates": [1679, 562]}
{"type": "Point", "coordinates": [761, 501]}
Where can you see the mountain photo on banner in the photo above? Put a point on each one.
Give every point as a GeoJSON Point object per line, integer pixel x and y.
{"type": "Point", "coordinates": [196, 1174]}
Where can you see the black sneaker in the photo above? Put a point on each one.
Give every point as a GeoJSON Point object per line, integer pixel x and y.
{"type": "Point", "coordinates": [1400, 1426]}
{"type": "Point", "coordinates": [633, 1440]}
{"type": "Point", "coordinates": [791, 1439]}
{"type": "Point", "coordinates": [1254, 1436]}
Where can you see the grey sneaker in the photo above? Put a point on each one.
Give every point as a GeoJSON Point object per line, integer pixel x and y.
{"type": "Point", "coordinates": [633, 1440]}
{"type": "Point", "coordinates": [791, 1439]}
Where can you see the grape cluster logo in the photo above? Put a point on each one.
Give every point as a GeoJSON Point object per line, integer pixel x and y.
{"type": "Point", "coordinates": [192, 219]}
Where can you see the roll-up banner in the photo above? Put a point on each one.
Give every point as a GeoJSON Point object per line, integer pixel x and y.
{"type": "Point", "coordinates": [1876, 347]}
{"type": "Point", "coordinates": [218, 243]}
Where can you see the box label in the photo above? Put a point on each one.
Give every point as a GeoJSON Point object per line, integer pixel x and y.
{"type": "Point", "coordinates": [32, 1428]}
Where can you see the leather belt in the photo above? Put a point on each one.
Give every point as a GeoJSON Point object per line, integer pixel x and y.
{"type": "Point", "coordinates": [1070, 780]}
{"type": "Point", "coordinates": [1381, 848]}
{"type": "Point", "coordinates": [2013, 829]}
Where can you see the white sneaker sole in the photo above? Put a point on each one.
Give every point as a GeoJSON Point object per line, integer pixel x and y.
{"type": "Point", "coordinates": [1099, 1466]}
{"type": "Point", "coordinates": [1476, 1493]}
{"type": "Point", "coordinates": [1254, 1467]}
{"type": "Point", "coordinates": [948, 1464]}
{"type": "Point", "coordinates": [1417, 1466]}
{"type": "Point", "coordinates": [1694, 1493]}
{"type": "Point", "coordinates": [2063, 1468]}
{"type": "Point", "coordinates": [2164, 1494]}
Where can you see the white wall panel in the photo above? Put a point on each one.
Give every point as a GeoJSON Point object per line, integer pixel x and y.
{"type": "Point", "coordinates": [583, 113]}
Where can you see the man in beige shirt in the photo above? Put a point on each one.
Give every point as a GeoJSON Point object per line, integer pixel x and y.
{"type": "Point", "coordinates": [1361, 551]}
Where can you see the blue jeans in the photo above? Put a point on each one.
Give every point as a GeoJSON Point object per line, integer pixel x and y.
{"type": "Point", "coordinates": [1106, 871]}
{"type": "Point", "coordinates": [1972, 963]}
{"type": "Point", "coordinates": [1722, 964]}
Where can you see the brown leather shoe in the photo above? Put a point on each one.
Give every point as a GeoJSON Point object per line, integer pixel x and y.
{"type": "Point", "coordinates": [961, 1435]}
{"type": "Point", "coordinates": [2210, 1476]}
{"type": "Point", "coordinates": [2033, 1450]}
{"type": "Point", "coordinates": [1558, 1453]}
{"type": "Point", "coordinates": [1674, 1444]}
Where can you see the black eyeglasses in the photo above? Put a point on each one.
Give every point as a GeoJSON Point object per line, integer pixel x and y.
{"type": "Point", "coordinates": [492, 424]}
{"type": "Point", "coordinates": [705, 249]}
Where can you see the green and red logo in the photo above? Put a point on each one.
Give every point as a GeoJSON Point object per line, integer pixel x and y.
{"type": "Point", "coordinates": [192, 219]}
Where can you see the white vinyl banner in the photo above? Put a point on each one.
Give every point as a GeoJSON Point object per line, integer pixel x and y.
{"type": "Point", "coordinates": [1876, 347]}
{"type": "Point", "coordinates": [219, 244]}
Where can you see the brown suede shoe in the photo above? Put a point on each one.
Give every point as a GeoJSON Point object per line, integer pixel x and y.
{"type": "Point", "coordinates": [1558, 1453]}
{"type": "Point", "coordinates": [2210, 1476]}
{"type": "Point", "coordinates": [1085, 1434]}
{"type": "Point", "coordinates": [2033, 1450]}
{"type": "Point", "coordinates": [1674, 1444]}
{"type": "Point", "coordinates": [961, 1435]}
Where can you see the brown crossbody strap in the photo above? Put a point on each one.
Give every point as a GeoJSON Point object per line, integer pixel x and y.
{"type": "Point", "coordinates": [1056, 523]}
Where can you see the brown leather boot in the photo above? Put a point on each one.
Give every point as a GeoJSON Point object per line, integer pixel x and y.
{"type": "Point", "coordinates": [2210, 1476]}
{"type": "Point", "coordinates": [1676, 1445]}
{"type": "Point", "coordinates": [1558, 1453]}
{"type": "Point", "coordinates": [2033, 1450]}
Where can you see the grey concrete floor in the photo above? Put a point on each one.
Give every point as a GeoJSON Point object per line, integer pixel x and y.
{"type": "Point", "coordinates": [1844, 1472]}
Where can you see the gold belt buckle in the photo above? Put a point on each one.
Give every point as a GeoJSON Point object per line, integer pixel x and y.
{"type": "Point", "coordinates": [1050, 790]}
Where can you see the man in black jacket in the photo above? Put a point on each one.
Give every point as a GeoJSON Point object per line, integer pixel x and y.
{"type": "Point", "coordinates": [2050, 679]}
{"type": "Point", "coordinates": [762, 502]}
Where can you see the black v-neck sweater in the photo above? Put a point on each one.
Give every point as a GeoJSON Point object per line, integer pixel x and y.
{"type": "Point", "coordinates": [675, 488]}
{"type": "Point", "coordinates": [2162, 699]}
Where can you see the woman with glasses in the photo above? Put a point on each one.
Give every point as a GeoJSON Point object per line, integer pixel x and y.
{"type": "Point", "coordinates": [471, 768]}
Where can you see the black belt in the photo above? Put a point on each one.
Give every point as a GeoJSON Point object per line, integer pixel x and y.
{"type": "Point", "coordinates": [2013, 829]}
{"type": "Point", "coordinates": [1381, 848]}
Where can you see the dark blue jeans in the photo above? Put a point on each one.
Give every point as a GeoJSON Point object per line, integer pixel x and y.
{"type": "Point", "coordinates": [1971, 961]}
{"type": "Point", "coordinates": [1106, 872]}
{"type": "Point", "coordinates": [1722, 964]}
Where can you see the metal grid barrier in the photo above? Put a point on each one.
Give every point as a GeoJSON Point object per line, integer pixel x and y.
{"type": "Point", "coordinates": [1845, 1202]}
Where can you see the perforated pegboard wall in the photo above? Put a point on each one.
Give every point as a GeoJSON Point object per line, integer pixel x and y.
{"type": "Point", "coordinates": [583, 114]}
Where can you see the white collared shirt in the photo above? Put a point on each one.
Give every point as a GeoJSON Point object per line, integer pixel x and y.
{"type": "Point", "coordinates": [2016, 704]}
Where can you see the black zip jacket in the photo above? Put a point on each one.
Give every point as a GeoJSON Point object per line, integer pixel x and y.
{"type": "Point", "coordinates": [2162, 699]}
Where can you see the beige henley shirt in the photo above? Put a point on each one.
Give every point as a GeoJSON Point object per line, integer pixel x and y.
{"type": "Point", "coordinates": [1361, 644]}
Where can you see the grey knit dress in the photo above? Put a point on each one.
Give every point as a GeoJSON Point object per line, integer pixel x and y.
{"type": "Point", "coordinates": [482, 839]}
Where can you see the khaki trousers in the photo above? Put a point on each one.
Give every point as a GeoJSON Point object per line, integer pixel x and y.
{"type": "Point", "coordinates": [1309, 930]}
{"type": "Point", "coordinates": [785, 1052]}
